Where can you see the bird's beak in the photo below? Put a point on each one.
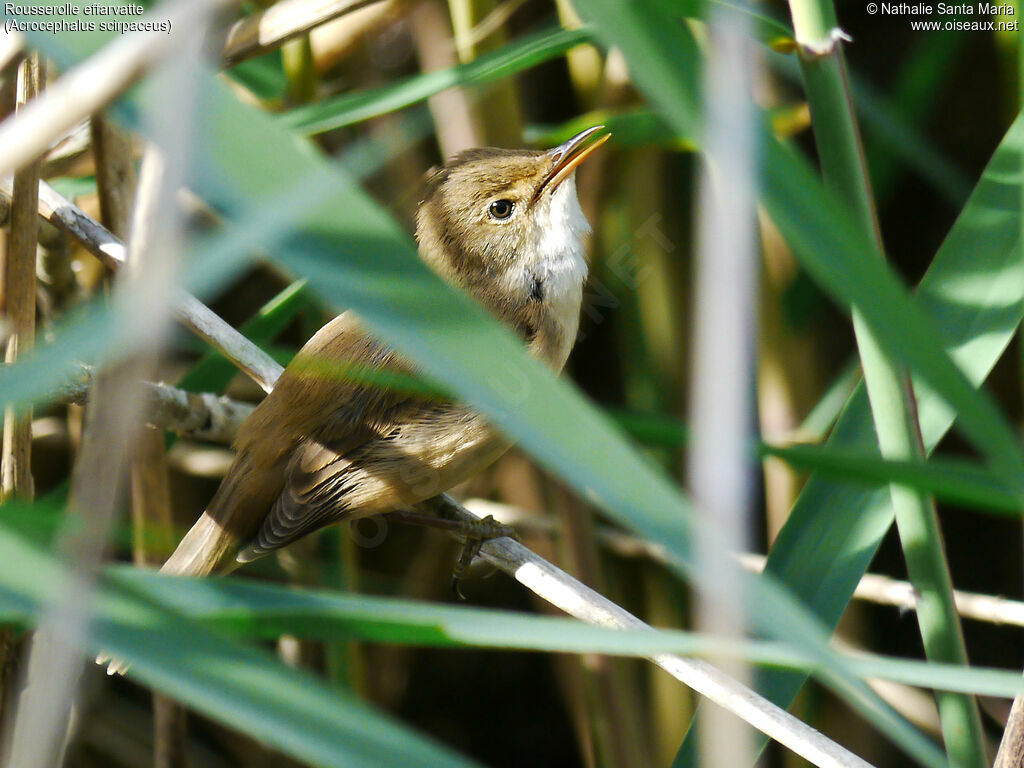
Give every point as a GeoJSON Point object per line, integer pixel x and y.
{"type": "Point", "coordinates": [570, 154]}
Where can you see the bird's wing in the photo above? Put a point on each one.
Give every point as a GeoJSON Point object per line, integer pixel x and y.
{"type": "Point", "coordinates": [313, 494]}
{"type": "Point", "coordinates": [337, 404]}
{"type": "Point", "coordinates": [317, 401]}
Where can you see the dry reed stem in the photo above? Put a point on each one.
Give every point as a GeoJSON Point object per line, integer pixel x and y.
{"type": "Point", "coordinates": [720, 408]}
{"type": "Point", "coordinates": [151, 518]}
{"type": "Point", "coordinates": [18, 318]}
{"type": "Point", "coordinates": [872, 588]}
{"type": "Point", "coordinates": [55, 661]}
{"type": "Point", "coordinates": [115, 174]}
{"type": "Point", "coordinates": [202, 415]}
{"type": "Point", "coordinates": [269, 29]}
{"type": "Point", "coordinates": [615, 721]}
{"type": "Point", "coordinates": [19, 297]}
{"type": "Point", "coordinates": [1011, 748]}
{"type": "Point", "coordinates": [457, 122]}
{"type": "Point", "coordinates": [170, 721]}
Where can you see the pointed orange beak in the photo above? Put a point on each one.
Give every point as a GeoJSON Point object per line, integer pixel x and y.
{"type": "Point", "coordinates": [569, 155]}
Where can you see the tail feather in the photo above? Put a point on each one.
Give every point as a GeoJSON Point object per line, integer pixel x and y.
{"type": "Point", "coordinates": [207, 548]}
{"type": "Point", "coordinates": [234, 515]}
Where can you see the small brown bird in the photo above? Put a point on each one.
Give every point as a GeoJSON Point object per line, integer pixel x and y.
{"type": "Point", "coordinates": [504, 225]}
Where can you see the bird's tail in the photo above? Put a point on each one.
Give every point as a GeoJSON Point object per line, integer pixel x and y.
{"type": "Point", "coordinates": [207, 548]}
{"type": "Point", "coordinates": [229, 521]}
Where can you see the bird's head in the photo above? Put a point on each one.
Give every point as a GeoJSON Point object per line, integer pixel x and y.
{"type": "Point", "coordinates": [503, 222]}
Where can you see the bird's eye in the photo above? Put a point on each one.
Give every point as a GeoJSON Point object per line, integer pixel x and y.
{"type": "Point", "coordinates": [500, 209]}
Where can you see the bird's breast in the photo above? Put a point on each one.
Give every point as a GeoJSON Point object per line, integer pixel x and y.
{"type": "Point", "coordinates": [559, 323]}
{"type": "Point", "coordinates": [555, 278]}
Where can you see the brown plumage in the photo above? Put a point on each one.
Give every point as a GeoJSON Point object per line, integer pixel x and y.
{"type": "Point", "coordinates": [504, 225]}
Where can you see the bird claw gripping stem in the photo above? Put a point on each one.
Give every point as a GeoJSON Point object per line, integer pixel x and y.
{"type": "Point", "coordinates": [476, 534]}
{"type": "Point", "coordinates": [472, 532]}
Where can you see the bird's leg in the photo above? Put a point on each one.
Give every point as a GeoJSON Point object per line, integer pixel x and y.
{"type": "Point", "coordinates": [473, 533]}
{"type": "Point", "coordinates": [470, 549]}
{"type": "Point", "coordinates": [485, 528]}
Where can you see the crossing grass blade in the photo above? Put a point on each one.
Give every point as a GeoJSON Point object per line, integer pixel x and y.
{"type": "Point", "coordinates": [514, 57]}
{"type": "Point", "coordinates": [144, 601]}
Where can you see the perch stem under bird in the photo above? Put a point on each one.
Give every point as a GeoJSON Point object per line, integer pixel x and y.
{"type": "Point", "coordinates": [504, 225]}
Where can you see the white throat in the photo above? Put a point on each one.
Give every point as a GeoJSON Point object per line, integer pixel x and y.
{"type": "Point", "coordinates": [559, 262]}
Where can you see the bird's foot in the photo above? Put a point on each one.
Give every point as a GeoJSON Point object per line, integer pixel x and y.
{"type": "Point", "coordinates": [473, 533]}
{"type": "Point", "coordinates": [477, 532]}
